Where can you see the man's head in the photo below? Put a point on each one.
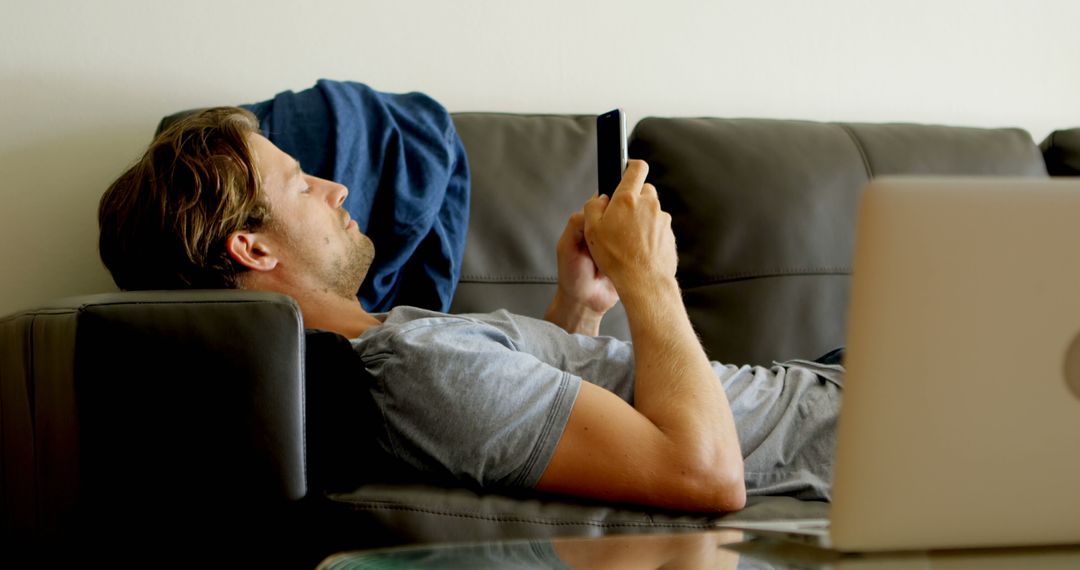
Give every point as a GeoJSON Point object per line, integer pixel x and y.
{"type": "Point", "coordinates": [213, 204]}
{"type": "Point", "coordinates": [165, 222]}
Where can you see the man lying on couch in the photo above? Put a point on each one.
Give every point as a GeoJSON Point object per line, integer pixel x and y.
{"type": "Point", "coordinates": [496, 400]}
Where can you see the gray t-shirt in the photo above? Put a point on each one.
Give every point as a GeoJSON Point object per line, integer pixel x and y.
{"type": "Point", "coordinates": [483, 399]}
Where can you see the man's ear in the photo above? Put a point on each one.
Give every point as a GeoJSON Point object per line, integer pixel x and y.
{"type": "Point", "coordinates": [251, 250]}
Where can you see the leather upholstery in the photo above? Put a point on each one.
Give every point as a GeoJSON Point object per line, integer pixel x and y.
{"type": "Point", "coordinates": [763, 211]}
{"type": "Point", "coordinates": [529, 173]}
{"type": "Point", "coordinates": [111, 400]}
{"type": "Point", "coordinates": [1061, 151]}
{"type": "Point", "coordinates": [187, 409]}
{"type": "Point", "coordinates": [764, 216]}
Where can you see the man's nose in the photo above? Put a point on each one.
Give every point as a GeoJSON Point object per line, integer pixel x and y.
{"type": "Point", "coordinates": [335, 193]}
{"type": "Point", "coordinates": [340, 192]}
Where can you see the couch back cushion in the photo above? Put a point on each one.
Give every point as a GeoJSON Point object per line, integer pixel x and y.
{"type": "Point", "coordinates": [764, 216]}
{"type": "Point", "coordinates": [763, 211]}
{"type": "Point", "coordinates": [529, 173]}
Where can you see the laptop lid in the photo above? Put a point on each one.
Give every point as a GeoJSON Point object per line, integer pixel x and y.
{"type": "Point", "coordinates": [961, 417]}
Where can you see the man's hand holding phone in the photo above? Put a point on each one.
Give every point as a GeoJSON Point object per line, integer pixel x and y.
{"type": "Point", "coordinates": [621, 241]}
{"type": "Point", "coordinates": [629, 237]}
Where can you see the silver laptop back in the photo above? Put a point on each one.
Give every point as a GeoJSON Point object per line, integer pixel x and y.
{"type": "Point", "coordinates": [961, 417]}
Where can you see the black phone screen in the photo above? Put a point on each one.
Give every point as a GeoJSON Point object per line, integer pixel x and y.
{"type": "Point", "coordinates": [610, 150]}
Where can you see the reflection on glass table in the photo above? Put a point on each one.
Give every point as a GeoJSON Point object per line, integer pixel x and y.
{"type": "Point", "coordinates": [721, 549]}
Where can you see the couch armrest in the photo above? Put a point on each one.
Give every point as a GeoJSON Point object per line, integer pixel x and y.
{"type": "Point", "coordinates": [1061, 151]}
{"type": "Point", "coordinates": [131, 409]}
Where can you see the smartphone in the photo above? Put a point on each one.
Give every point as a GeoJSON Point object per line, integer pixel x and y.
{"type": "Point", "coordinates": [610, 150]}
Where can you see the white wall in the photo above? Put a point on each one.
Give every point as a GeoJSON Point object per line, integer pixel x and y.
{"type": "Point", "coordinates": [84, 83]}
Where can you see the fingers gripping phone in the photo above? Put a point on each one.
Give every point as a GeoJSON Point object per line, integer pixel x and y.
{"type": "Point", "coordinates": [611, 152]}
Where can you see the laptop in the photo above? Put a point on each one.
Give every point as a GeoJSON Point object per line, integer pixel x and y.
{"type": "Point", "coordinates": [961, 418]}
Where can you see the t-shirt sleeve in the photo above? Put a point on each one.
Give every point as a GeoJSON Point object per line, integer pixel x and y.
{"type": "Point", "coordinates": [458, 400]}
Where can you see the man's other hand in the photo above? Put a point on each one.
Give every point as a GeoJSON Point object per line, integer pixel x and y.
{"type": "Point", "coordinates": [584, 293]}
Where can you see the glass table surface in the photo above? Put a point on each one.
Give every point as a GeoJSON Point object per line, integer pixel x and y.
{"type": "Point", "coordinates": [719, 549]}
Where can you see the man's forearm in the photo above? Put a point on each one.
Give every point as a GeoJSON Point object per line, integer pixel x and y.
{"type": "Point", "coordinates": [677, 446]}
{"type": "Point", "coordinates": [573, 317]}
{"type": "Point", "coordinates": [675, 386]}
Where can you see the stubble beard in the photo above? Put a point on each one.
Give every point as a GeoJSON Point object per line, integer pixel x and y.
{"type": "Point", "coordinates": [350, 274]}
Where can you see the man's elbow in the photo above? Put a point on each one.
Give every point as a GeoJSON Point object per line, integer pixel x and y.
{"type": "Point", "coordinates": [733, 495]}
{"type": "Point", "coordinates": [715, 488]}
{"type": "Point", "coordinates": [729, 489]}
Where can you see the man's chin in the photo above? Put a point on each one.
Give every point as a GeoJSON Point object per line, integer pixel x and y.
{"type": "Point", "coordinates": [359, 263]}
{"type": "Point", "coordinates": [363, 248]}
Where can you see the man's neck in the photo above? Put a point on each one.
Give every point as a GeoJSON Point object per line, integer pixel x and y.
{"type": "Point", "coordinates": [322, 309]}
{"type": "Point", "coordinates": [346, 317]}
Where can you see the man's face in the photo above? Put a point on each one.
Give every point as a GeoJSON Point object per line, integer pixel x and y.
{"type": "Point", "coordinates": [309, 232]}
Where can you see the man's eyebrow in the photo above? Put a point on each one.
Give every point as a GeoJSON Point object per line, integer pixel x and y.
{"type": "Point", "coordinates": [297, 171]}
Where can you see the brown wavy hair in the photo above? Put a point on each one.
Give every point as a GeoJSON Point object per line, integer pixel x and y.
{"type": "Point", "coordinates": [165, 222]}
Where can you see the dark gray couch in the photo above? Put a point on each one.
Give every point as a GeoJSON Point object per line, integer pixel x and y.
{"type": "Point", "coordinates": [193, 418]}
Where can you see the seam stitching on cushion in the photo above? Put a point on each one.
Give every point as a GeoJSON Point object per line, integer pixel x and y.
{"type": "Point", "coordinates": [836, 270]}
{"type": "Point", "coordinates": [303, 403]}
{"type": "Point", "coordinates": [858, 146]}
{"type": "Point", "coordinates": [726, 277]}
{"type": "Point", "coordinates": [508, 279]}
{"type": "Point", "coordinates": [37, 312]}
{"type": "Point", "coordinates": [503, 518]}
{"type": "Point", "coordinates": [31, 400]}
{"type": "Point", "coordinates": [30, 385]}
